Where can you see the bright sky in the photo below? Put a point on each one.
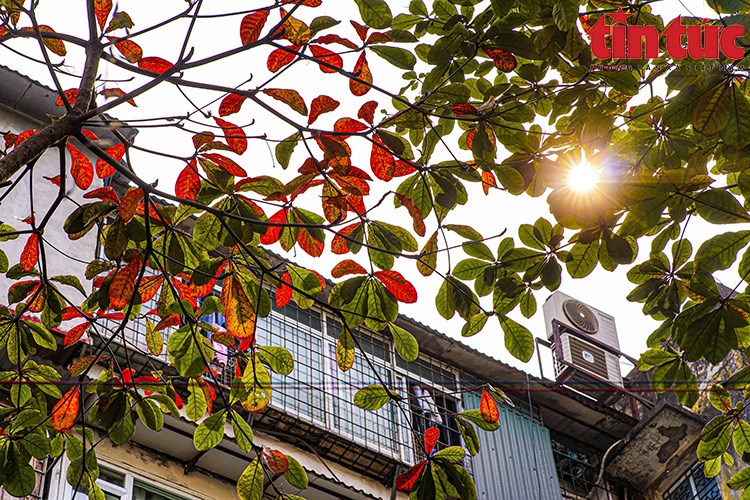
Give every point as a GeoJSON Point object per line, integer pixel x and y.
{"type": "Point", "coordinates": [490, 215]}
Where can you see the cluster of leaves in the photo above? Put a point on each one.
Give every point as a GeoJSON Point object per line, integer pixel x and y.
{"type": "Point", "coordinates": [481, 77]}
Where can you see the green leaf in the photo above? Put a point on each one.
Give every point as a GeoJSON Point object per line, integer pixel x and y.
{"type": "Point", "coordinates": [451, 453]}
{"type": "Point", "coordinates": [518, 339]}
{"type": "Point", "coordinates": [70, 280]}
{"type": "Point", "coordinates": [565, 14]}
{"type": "Point", "coordinates": [373, 397]}
{"type": "Point", "coordinates": [720, 251]}
{"type": "Point", "coordinates": [582, 259]}
{"type": "Point", "coordinates": [476, 418]}
{"type": "Point", "coordinates": [243, 434]}
{"type": "Point", "coordinates": [187, 351]}
{"type": "Point", "coordinates": [718, 206]}
{"type": "Point", "coordinates": [720, 399]}
{"type": "Point", "coordinates": [741, 437]}
{"type": "Point", "coordinates": [471, 440]}
{"type": "Point", "coordinates": [375, 13]}
{"type": "Point", "coordinates": [715, 438]}
{"type": "Point", "coordinates": [740, 480]}
{"type": "Point", "coordinates": [150, 414]}
{"type": "Point", "coordinates": [210, 432]}
{"type": "Point", "coordinates": [295, 474]}
{"type": "Point", "coordinates": [196, 405]}
{"type": "Point", "coordinates": [285, 148]}
{"type": "Point", "coordinates": [474, 325]}
{"type": "Point", "coordinates": [401, 58]}
{"type": "Point", "coordinates": [406, 345]}
{"type": "Point", "coordinates": [278, 359]}
{"type": "Point", "coordinates": [250, 483]}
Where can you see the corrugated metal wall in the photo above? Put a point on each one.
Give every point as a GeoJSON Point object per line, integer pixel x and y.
{"type": "Point", "coordinates": [515, 462]}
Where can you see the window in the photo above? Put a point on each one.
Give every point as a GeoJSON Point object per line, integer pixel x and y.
{"type": "Point", "coordinates": [694, 485]}
{"type": "Point", "coordinates": [121, 485]}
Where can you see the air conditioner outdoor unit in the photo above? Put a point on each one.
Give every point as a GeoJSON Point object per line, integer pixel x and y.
{"type": "Point", "coordinates": [581, 327]}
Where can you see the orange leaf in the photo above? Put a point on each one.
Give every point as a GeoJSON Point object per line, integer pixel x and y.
{"type": "Point", "coordinates": [361, 71]}
{"type": "Point", "coordinates": [403, 168]}
{"type": "Point", "coordinates": [340, 243]}
{"type": "Point", "coordinates": [117, 92]}
{"type": "Point", "coordinates": [129, 204]}
{"type": "Point", "coordinates": [431, 437]}
{"type": "Point", "coordinates": [252, 25]}
{"type": "Point", "coordinates": [348, 126]}
{"type": "Point", "coordinates": [234, 136]}
{"type": "Point", "coordinates": [488, 408]}
{"type": "Point", "coordinates": [188, 183]}
{"type": "Point", "coordinates": [80, 168]}
{"type": "Point", "coordinates": [129, 49]}
{"type": "Point", "coordinates": [54, 45]}
{"type": "Point", "coordinates": [75, 334]}
{"type": "Point", "coordinates": [382, 162]}
{"type": "Point", "coordinates": [415, 213]}
{"type": "Point", "coordinates": [37, 300]}
{"type": "Point", "coordinates": [106, 193]}
{"type": "Point", "coordinates": [65, 411]}
{"type": "Point", "coordinates": [290, 98]}
{"type": "Point", "coordinates": [155, 64]}
{"type": "Point", "coordinates": [361, 30]}
{"type": "Point", "coordinates": [503, 59]}
{"type": "Point", "coordinates": [275, 460]}
{"type": "Point", "coordinates": [309, 243]}
{"type": "Point", "coordinates": [488, 181]}
{"type": "Point", "coordinates": [231, 104]}
{"type": "Point", "coordinates": [30, 253]}
{"type": "Point", "coordinates": [398, 285]}
{"type": "Point", "coordinates": [327, 39]}
{"type": "Point", "coordinates": [273, 233]}
{"type": "Point", "coordinates": [230, 166]}
{"type": "Point", "coordinates": [104, 169]}
{"type": "Point", "coordinates": [345, 267]}
{"type": "Point", "coordinates": [284, 291]}
{"type": "Point", "coordinates": [123, 284]}
{"type": "Point", "coordinates": [280, 58]}
{"type": "Point", "coordinates": [202, 139]}
{"type": "Point", "coordinates": [327, 56]}
{"type": "Point", "coordinates": [321, 104]}
{"type": "Point", "coordinates": [407, 480]}
{"type": "Point", "coordinates": [54, 180]}
{"type": "Point", "coordinates": [82, 364]}
{"type": "Point", "coordinates": [102, 8]}
{"type": "Point", "coordinates": [70, 95]}
{"type": "Point", "coordinates": [367, 111]}
{"type": "Point", "coordinates": [238, 310]}
{"type": "Point", "coordinates": [149, 286]}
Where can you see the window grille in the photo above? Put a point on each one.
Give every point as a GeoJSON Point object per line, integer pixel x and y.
{"type": "Point", "coordinates": [694, 485]}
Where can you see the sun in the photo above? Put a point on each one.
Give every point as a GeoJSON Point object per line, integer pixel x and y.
{"type": "Point", "coordinates": [583, 177]}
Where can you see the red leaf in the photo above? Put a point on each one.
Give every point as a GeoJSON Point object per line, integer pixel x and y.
{"type": "Point", "coordinates": [129, 204]}
{"type": "Point", "coordinates": [377, 37]}
{"type": "Point", "coordinates": [309, 243]}
{"type": "Point", "coordinates": [488, 408]}
{"type": "Point", "coordinates": [155, 64]}
{"type": "Point", "coordinates": [70, 95]}
{"type": "Point", "coordinates": [367, 111]}
{"type": "Point", "coordinates": [275, 460]}
{"type": "Point", "coordinates": [398, 286]}
{"type": "Point", "coordinates": [70, 313]}
{"type": "Point", "coordinates": [284, 291]}
{"type": "Point", "coordinates": [117, 92]}
{"type": "Point", "coordinates": [361, 30]}
{"type": "Point", "coordinates": [345, 267]}
{"type": "Point", "coordinates": [349, 126]}
{"type": "Point", "coordinates": [202, 139]}
{"type": "Point", "coordinates": [104, 169]}
{"type": "Point", "coordinates": [23, 136]}
{"type": "Point", "coordinates": [280, 58]}
{"type": "Point", "coordinates": [54, 180]}
{"type": "Point", "coordinates": [106, 193]}
{"type": "Point", "coordinates": [463, 109]}
{"type": "Point", "coordinates": [230, 166]}
{"type": "Point", "coordinates": [327, 56]}
{"type": "Point", "coordinates": [234, 136]}
{"type": "Point", "coordinates": [123, 284]}
{"type": "Point", "coordinates": [65, 411]}
{"type": "Point", "coordinates": [231, 104]}
{"type": "Point", "coordinates": [340, 244]}
{"type": "Point", "coordinates": [503, 59]}
{"type": "Point", "coordinates": [149, 286]}
{"type": "Point", "coordinates": [102, 8]}
{"type": "Point", "coordinates": [431, 437]}
{"type": "Point", "coordinates": [252, 25]}
{"type": "Point", "coordinates": [30, 253]}
{"type": "Point", "coordinates": [327, 39]}
{"type": "Point", "coordinates": [403, 168]}
{"type": "Point", "coordinates": [470, 139]}
{"type": "Point", "coordinates": [407, 480]}
{"type": "Point", "coordinates": [75, 334]}
{"type": "Point", "coordinates": [382, 163]}
{"type": "Point", "coordinates": [415, 213]}
{"type": "Point", "coordinates": [361, 71]}
{"type": "Point", "coordinates": [188, 183]}
{"type": "Point", "coordinates": [80, 168]}
{"type": "Point", "coordinates": [321, 104]}
{"type": "Point", "coordinates": [273, 233]}
{"type": "Point", "coordinates": [89, 135]}
{"type": "Point", "coordinates": [129, 49]}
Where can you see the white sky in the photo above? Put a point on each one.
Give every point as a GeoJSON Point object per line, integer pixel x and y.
{"type": "Point", "coordinates": [490, 215]}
